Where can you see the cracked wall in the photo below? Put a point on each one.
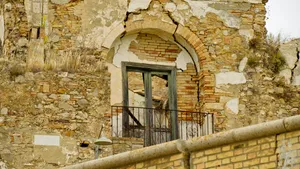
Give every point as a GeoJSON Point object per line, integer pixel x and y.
{"type": "Point", "coordinates": [88, 39]}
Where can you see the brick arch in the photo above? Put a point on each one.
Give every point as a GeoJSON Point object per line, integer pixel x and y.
{"type": "Point", "coordinates": [161, 28]}
{"type": "Point", "coordinates": [184, 36]}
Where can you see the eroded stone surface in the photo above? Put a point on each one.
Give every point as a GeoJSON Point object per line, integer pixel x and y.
{"type": "Point", "coordinates": [243, 64]}
{"type": "Point", "coordinates": [289, 52]}
{"type": "Point", "coordinates": [201, 8]}
{"type": "Point", "coordinates": [233, 106]}
{"type": "Point", "coordinates": [136, 5]}
{"type": "Point", "coordinates": [230, 78]}
{"type": "Point", "coordinates": [60, 2]}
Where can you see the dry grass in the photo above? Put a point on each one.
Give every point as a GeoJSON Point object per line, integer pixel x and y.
{"type": "Point", "coordinates": [275, 61]}
{"type": "Point", "coordinates": [16, 70]}
{"type": "Point", "coordinates": [73, 61]}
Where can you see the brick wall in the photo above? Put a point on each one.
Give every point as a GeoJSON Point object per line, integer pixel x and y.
{"type": "Point", "coordinates": [278, 151]}
{"type": "Point", "coordinates": [177, 161]}
{"type": "Point", "coordinates": [275, 144]}
{"type": "Point", "coordinates": [259, 153]}
{"type": "Point", "coordinates": [153, 48]}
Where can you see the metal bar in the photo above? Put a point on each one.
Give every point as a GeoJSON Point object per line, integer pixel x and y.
{"type": "Point", "coordinates": [149, 132]}
{"type": "Point", "coordinates": [132, 116]}
{"type": "Point", "coordinates": [125, 116]}
{"type": "Point", "coordinates": [118, 122]}
{"type": "Point", "coordinates": [213, 122]}
{"type": "Point", "coordinates": [111, 121]}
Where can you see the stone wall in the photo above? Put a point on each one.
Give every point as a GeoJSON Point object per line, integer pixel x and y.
{"type": "Point", "coordinates": [66, 107]}
{"type": "Point", "coordinates": [60, 66]}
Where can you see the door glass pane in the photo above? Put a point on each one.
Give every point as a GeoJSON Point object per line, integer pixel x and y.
{"type": "Point", "coordinates": [161, 116]}
{"type": "Point", "coordinates": [136, 94]}
{"type": "Point", "coordinates": [136, 90]}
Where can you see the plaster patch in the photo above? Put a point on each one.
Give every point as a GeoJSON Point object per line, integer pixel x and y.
{"type": "Point", "coordinates": [115, 84]}
{"type": "Point", "coordinates": [46, 140]}
{"type": "Point", "coordinates": [296, 80]}
{"type": "Point", "coordinates": [114, 34]}
{"type": "Point", "coordinates": [183, 59]}
{"type": "Point", "coordinates": [287, 74]}
{"type": "Point", "coordinates": [243, 64]}
{"type": "Point", "coordinates": [289, 52]}
{"type": "Point", "coordinates": [171, 7]}
{"type": "Point", "coordinates": [1, 29]}
{"type": "Point", "coordinates": [190, 49]}
{"type": "Point", "coordinates": [60, 2]}
{"type": "Point", "coordinates": [233, 105]}
{"type": "Point", "coordinates": [99, 19]}
{"type": "Point", "coordinates": [200, 9]}
{"type": "Point", "coordinates": [136, 5]}
{"type": "Point", "coordinates": [247, 33]}
{"type": "Point", "coordinates": [230, 78]}
{"type": "Point", "coordinates": [254, 1]}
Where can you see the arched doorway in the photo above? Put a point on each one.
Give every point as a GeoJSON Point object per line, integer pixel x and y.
{"type": "Point", "coordinates": [157, 47]}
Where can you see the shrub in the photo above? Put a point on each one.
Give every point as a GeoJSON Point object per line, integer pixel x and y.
{"type": "Point", "coordinates": [275, 61]}
{"type": "Point", "coordinates": [253, 61]}
{"type": "Point", "coordinates": [16, 70]}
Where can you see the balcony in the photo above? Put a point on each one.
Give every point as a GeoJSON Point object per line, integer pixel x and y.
{"type": "Point", "coordinates": [155, 126]}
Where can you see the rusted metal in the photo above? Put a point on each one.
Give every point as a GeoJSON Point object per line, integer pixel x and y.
{"type": "Point", "coordinates": [188, 125]}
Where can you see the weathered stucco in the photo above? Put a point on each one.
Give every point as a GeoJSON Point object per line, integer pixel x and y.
{"type": "Point", "coordinates": [60, 69]}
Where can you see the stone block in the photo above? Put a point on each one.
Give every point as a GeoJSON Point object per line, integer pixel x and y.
{"type": "Point", "coordinates": [233, 106]}
{"type": "Point", "coordinates": [230, 78]}
{"type": "Point", "coordinates": [46, 140]}
{"type": "Point", "coordinates": [35, 58]}
{"type": "Point", "coordinates": [60, 2]}
{"type": "Point", "coordinates": [136, 5]}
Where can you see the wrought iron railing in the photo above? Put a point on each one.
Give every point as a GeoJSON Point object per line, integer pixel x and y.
{"type": "Point", "coordinates": [155, 125]}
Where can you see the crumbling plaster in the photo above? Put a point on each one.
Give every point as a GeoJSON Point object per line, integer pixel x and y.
{"type": "Point", "coordinates": [122, 54]}
{"type": "Point", "coordinates": [200, 9]}
{"type": "Point", "coordinates": [290, 52]}
{"type": "Point", "coordinates": [99, 18]}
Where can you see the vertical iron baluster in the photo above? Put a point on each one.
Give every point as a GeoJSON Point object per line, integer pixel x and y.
{"type": "Point", "coordinates": [213, 122]}
{"type": "Point", "coordinates": [166, 133]}
{"type": "Point", "coordinates": [197, 123]}
{"type": "Point", "coordinates": [181, 136]}
{"type": "Point", "coordinates": [207, 124]}
{"type": "Point", "coordinates": [160, 126]}
{"type": "Point", "coordinates": [134, 110]}
{"type": "Point", "coordinates": [117, 132]}
{"type": "Point", "coordinates": [154, 124]}
{"type": "Point", "coordinates": [202, 122]}
{"type": "Point", "coordinates": [186, 128]}
{"type": "Point", "coordinates": [111, 121]}
{"type": "Point", "coordinates": [138, 112]}
{"type": "Point", "coordinates": [192, 124]}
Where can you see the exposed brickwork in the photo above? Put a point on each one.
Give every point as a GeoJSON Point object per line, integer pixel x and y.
{"type": "Point", "coordinates": [288, 150]}
{"type": "Point", "coordinates": [276, 151]}
{"type": "Point", "coordinates": [153, 48]}
{"type": "Point", "coordinates": [64, 25]}
{"type": "Point", "coordinates": [177, 161]}
{"type": "Point", "coordinates": [187, 89]}
{"type": "Point", "coordinates": [258, 153]}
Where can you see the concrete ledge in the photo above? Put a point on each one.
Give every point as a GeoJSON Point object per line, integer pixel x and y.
{"type": "Point", "coordinates": [196, 144]}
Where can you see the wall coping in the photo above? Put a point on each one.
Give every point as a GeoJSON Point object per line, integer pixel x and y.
{"type": "Point", "coordinates": [187, 146]}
